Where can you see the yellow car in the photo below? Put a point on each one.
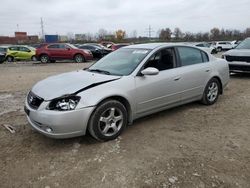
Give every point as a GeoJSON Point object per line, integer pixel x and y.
{"type": "Point", "coordinates": [20, 53]}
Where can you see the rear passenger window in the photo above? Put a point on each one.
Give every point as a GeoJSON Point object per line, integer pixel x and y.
{"type": "Point", "coordinates": [13, 48]}
{"type": "Point", "coordinates": [204, 56]}
{"type": "Point", "coordinates": [190, 56]}
{"type": "Point", "coordinates": [53, 46]}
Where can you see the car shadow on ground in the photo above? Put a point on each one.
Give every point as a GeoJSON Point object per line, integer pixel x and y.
{"type": "Point", "coordinates": [87, 140]}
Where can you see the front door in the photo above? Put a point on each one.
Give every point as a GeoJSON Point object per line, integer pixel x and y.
{"type": "Point", "coordinates": [158, 91]}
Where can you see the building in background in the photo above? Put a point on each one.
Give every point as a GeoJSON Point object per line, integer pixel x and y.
{"type": "Point", "coordinates": [19, 38]}
{"type": "Point", "coordinates": [63, 38]}
{"type": "Point", "coordinates": [51, 38]}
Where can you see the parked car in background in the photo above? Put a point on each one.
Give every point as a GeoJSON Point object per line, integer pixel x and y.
{"type": "Point", "coordinates": [61, 51]}
{"type": "Point", "coordinates": [4, 49]}
{"type": "Point", "coordinates": [117, 46]}
{"type": "Point", "coordinates": [223, 45]}
{"type": "Point", "coordinates": [239, 58]}
{"type": "Point", "coordinates": [100, 46]}
{"type": "Point", "coordinates": [235, 43]}
{"type": "Point", "coordinates": [207, 47]}
{"type": "Point", "coordinates": [19, 52]}
{"type": "Point", "coordinates": [97, 51]}
{"type": "Point", "coordinates": [3, 52]}
{"type": "Point", "coordinates": [2, 57]}
{"type": "Point", "coordinates": [107, 44]}
{"type": "Point", "coordinates": [127, 84]}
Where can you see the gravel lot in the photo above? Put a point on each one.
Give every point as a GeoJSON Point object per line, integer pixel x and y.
{"type": "Point", "coordinates": [188, 146]}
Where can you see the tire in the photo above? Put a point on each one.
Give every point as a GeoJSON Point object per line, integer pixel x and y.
{"type": "Point", "coordinates": [33, 58]}
{"type": "Point", "coordinates": [219, 49]}
{"type": "Point", "coordinates": [78, 58]}
{"type": "Point", "coordinates": [214, 51]}
{"type": "Point", "coordinates": [211, 92]}
{"type": "Point", "coordinates": [44, 58]}
{"type": "Point", "coordinates": [108, 120]}
{"type": "Point", "coordinates": [10, 58]}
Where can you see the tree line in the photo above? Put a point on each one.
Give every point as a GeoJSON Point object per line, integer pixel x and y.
{"type": "Point", "coordinates": [215, 34]}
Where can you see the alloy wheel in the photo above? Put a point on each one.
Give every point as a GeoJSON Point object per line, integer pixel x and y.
{"type": "Point", "coordinates": [213, 91]}
{"type": "Point", "coordinates": [111, 121]}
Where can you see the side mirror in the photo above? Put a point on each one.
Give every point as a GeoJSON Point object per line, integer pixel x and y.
{"type": "Point", "coordinates": [150, 71]}
{"type": "Point", "coordinates": [68, 49]}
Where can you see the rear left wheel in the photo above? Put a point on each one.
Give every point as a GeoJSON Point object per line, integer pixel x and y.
{"type": "Point", "coordinates": [108, 120]}
{"type": "Point", "coordinates": [44, 58]}
{"type": "Point", "coordinates": [33, 58]}
{"type": "Point", "coordinates": [212, 92]}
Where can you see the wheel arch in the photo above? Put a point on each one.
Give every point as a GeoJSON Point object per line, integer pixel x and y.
{"type": "Point", "coordinates": [122, 100]}
{"type": "Point", "coordinates": [9, 55]}
{"type": "Point", "coordinates": [42, 55]}
{"type": "Point", "coordinates": [84, 59]}
{"type": "Point", "coordinates": [220, 82]}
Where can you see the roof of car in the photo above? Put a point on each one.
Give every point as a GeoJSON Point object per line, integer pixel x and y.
{"type": "Point", "coordinates": [154, 45]}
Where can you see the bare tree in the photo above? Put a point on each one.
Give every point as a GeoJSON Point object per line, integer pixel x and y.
{"type": "Point", "coordinates": [165, 34]}
{"type": "Point", "coordinates": [215, 33]}
{"type": "Point", "coordinates": [102, 33]}
{"type": "Point", "coordinates": [178, 33]}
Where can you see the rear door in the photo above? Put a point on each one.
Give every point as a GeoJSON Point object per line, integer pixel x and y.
{"type": "Point", "coordinates": [14, 52]}
{"type": "Point", "coordinates": [54, 51]}
{"type": "Point", "coordinates": [194, 72]}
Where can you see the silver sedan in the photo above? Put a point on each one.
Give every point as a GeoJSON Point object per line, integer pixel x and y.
{"type": "Point", "coordinates": [127, 84]}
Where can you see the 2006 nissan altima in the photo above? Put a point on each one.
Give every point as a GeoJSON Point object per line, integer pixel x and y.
{"type": "Point", "coordinates": [129, 83]}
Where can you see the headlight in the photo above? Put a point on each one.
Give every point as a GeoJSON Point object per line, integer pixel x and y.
{"type": "Point", "coordinates": [64, 103]}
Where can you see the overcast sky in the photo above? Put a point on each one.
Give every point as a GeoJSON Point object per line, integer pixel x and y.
{"type": "Point", "coordinates": [82, 16]}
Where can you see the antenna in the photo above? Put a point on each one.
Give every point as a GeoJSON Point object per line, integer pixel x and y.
{"type": "Point", "coordinates": [42, 28]}
{"type": "Point", "coordinates": [17, 25]}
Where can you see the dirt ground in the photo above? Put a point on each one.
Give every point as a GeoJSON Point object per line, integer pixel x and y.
{"type": "Point", "coordinates": [188, 146]}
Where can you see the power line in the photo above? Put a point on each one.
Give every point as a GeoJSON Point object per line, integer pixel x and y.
{"type": "Point", "coordinates": [42, 28]}
{"type": "Point", "coordinates": [149, 30]}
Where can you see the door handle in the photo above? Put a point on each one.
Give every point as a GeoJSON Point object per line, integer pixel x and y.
{"type": "Point", "coordinates": [177, 78]}
{"type": "Point", "coordinates": [207, 70]}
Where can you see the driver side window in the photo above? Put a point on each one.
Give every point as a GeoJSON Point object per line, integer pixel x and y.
{"type": "Point", "coordinates": [162, 60]}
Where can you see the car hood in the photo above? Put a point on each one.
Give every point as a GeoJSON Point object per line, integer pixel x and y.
{"type": "Point", "coordinates": [238, 52]}
{"type": "Point", "coordinates": [69, 83]}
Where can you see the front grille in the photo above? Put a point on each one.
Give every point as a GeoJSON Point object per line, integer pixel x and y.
{"type": "Point", "coordinates": [34, 101]}
{"type": "Point", "coordinates": [239, 68]}
{"type": "Point", "coordinates": [237, 58]}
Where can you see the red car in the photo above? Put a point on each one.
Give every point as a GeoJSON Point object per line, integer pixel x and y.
{"type": "Point", "coordinates": [59, 51]}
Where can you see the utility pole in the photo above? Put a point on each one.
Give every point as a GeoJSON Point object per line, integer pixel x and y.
{"type": "Point", "coordinates": [42, 28]}
{"type": "Point", "coordinates": [149, 30]}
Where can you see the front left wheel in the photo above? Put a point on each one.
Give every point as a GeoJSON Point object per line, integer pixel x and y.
{"type": "Point", "coordinates": [79, 58]}
{"type": "Point", "coordinates": [108, 120]}
{"type": "Point", "coordinates": [10, 58]}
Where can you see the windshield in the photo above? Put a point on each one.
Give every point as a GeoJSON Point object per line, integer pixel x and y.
{"type": "Point", "coordinates": [244, 44]}
{"type": "Point", "coordinates": [121, 62]}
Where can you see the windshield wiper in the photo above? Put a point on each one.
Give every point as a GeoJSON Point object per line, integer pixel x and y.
{"type": "Point", "coordinates": [99, 70]}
